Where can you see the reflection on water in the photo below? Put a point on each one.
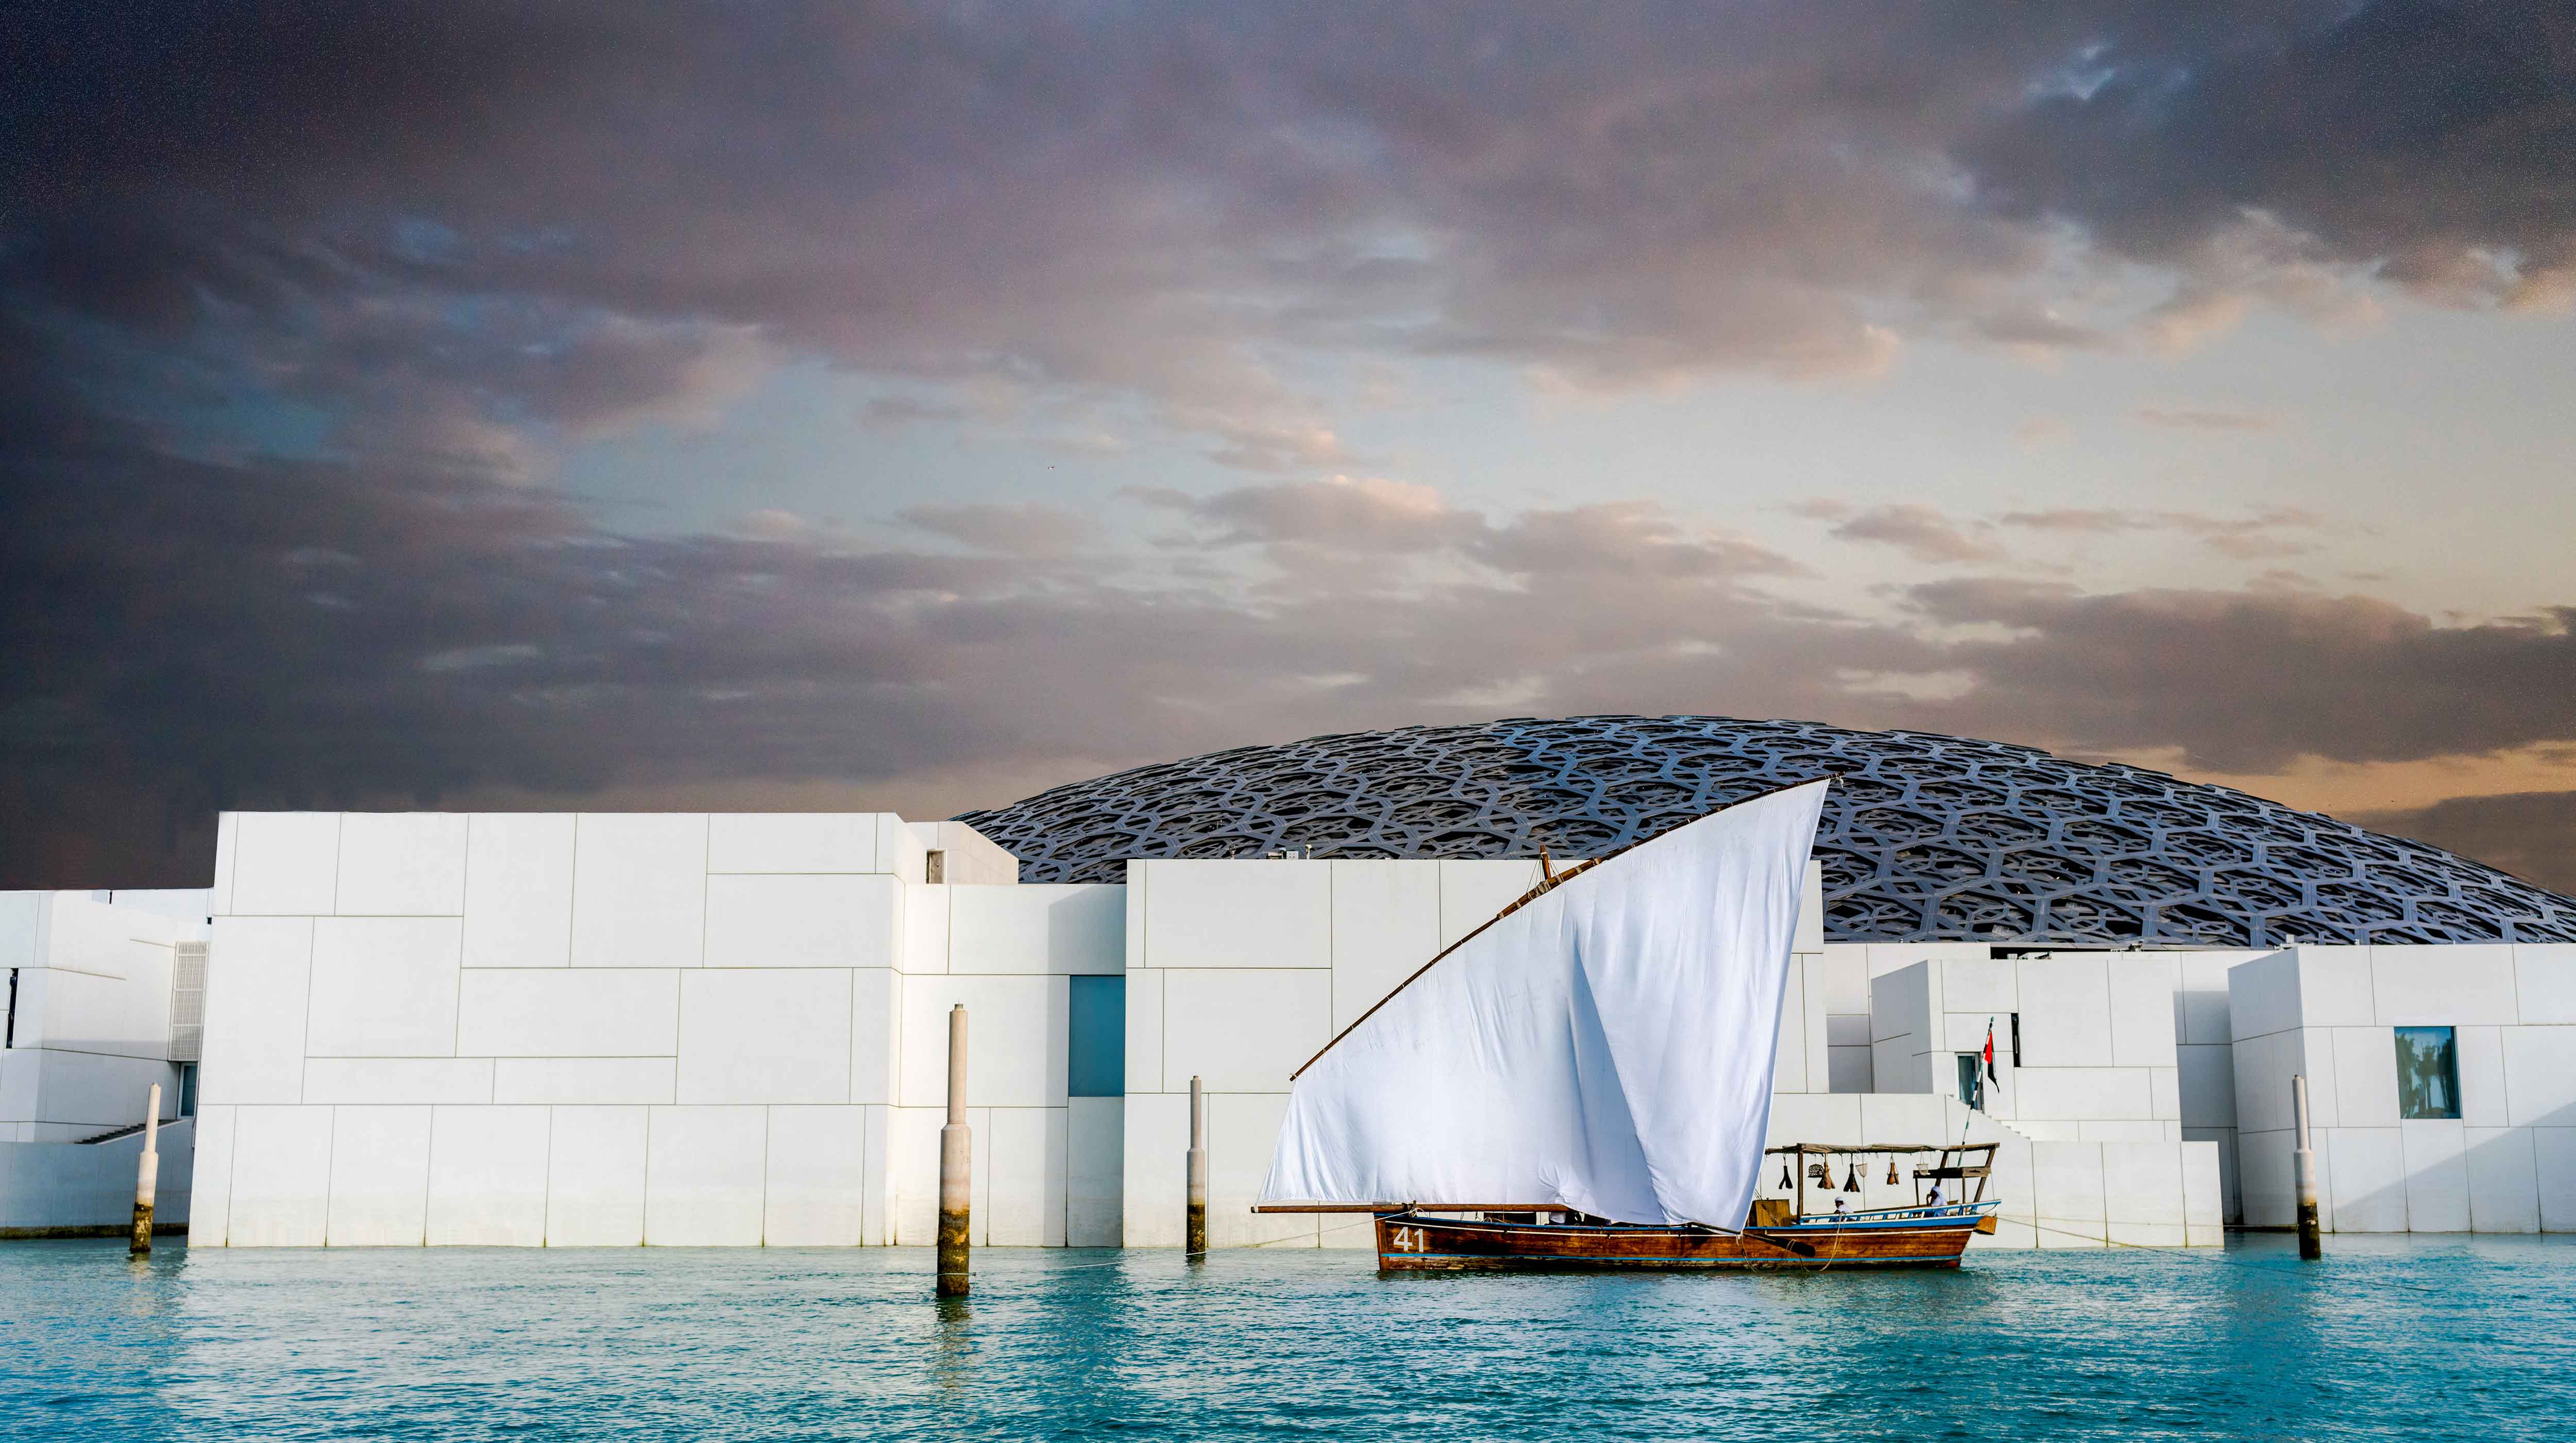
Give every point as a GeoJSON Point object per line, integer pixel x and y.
{"type": "Point", "coordinates": [2458, 1337]}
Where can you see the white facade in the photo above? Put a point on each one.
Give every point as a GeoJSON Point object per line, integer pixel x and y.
{"type": "Point", "coordinates": [2506, 1163]}
{"type": "Point", "coordinates": [731, 1029]}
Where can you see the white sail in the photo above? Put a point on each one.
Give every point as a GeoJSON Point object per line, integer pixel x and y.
{"type": "Point", "coordinates": [1607, 1048]}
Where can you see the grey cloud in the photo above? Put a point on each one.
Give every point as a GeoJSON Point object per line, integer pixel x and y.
{"type": "Point", "coordinates": [2247, 682]}
{"type": "Point", "coordinates": [2204, 420]}
{"type": "Point", "coordinates": [2530, 834]}
{"type": "Point", "coordinates": [1027, 528]}
{"type": "Point", "coordinates": [1921, 532]}
{"type": "Point", "coordinates": [598, 216]}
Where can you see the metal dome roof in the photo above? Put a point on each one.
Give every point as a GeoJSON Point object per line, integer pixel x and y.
{"type": "Point", "coordinates": [1924, 838]}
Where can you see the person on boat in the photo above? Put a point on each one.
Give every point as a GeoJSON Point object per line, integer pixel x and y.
{"type": "Point", "coordinates": [1841, 1207]}
{"type": "Point", "coordinates": [1935, 1199]}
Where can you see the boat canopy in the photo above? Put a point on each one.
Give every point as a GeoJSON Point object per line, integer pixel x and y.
{"type": "Point", "coordinates": [1606, 1046]}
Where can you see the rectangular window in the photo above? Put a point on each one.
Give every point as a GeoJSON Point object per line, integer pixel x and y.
{"type": "Point", "coordinates": [1096, 1057]}
{"type": "Point", "coordinates": [2428, 1072]}
{"type": "Point", "coordinates": [187, 1089]}
{"type": "Point", "coordinates": [1972, 1080]}
{"type": "Point", "coordinates": [2016, 1017]}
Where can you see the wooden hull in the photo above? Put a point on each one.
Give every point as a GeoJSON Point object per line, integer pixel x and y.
{"type": "Point", "coordinates": [1900, 1238]}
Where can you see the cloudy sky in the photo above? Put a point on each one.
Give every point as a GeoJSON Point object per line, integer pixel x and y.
{"type": "Point", "coordinates": [858, 406]}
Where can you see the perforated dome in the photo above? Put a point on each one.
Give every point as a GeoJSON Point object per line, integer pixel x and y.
{"type": "Point", "coordinates": [1925, 837]}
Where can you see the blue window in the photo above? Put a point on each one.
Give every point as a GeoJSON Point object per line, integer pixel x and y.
{"type": "Point", "coordinates": [1096, 1060]}
{"type": "Point", "coordinates": [2428, 1073]}
{"type": "Point", "coordinates": [1972, 1081]}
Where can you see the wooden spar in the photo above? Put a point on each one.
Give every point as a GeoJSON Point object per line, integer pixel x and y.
{"type": "Point", "coordinates": [1550, 883]}
{"type": "Point", "coordinates": [1405, 1207]}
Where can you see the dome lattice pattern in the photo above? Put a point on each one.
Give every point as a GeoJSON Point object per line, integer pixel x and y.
{"type": "Point", "coordinates": [1925, 838]}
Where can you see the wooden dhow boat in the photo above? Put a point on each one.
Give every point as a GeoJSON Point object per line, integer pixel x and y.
{"type": "Point", "coordinates": [1602, 1050]}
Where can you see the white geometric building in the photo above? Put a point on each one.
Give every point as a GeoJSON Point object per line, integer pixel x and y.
{"type": "Point", "coordinates": [683, 1029]}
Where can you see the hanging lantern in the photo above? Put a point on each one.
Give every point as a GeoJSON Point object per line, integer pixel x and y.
{"type": "Point", "coordinates": [1786, 1181]}
{"type": "Point", "coordinates": [1851, 1182]}
{"type": "Point", "coordinates": [1822, 1175]}
{"type": "Point", "coordinates": [1891, 1169]}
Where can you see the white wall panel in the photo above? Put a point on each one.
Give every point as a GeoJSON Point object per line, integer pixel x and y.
{"type": "Point", "coordinates": [518, 890]}
{"type": "Point", "coordinates": [2459, 984]}
{"type": "Point", "coordinates": [2334, 986]}
{"type": "Point", "coordinates": [1032, 927]}
{"type": "Point", "coordinates": [2204, 1194]}
{"type": "Point", "coordinates": [2365, 1075]}
{"type": "Point", "coordinates": [2263, 1181]}
{"type": "Point", "coordinates": [2369, 1179]}
{"type": "Point", "coordinates": [576, 1013]}
{"type": "Point", "coordinates": [1145, 1031]}
{"type": "Point", "coordinates": [1810, 933]}
{"type": "Point", "coordinates": [281, 1177]}
{"type": "Point", "coordinates": [1986, 986]}
{"type": "Point", "coordinates": [1386, 926]}
{"type": "Point", "coordinates": [2206, 1084]}
{"type": "Point", "coordinates": [925, 928]}
{"type": "Point", "coordinates": [2200, 1002]}
{"type": "Point", "coordinates": [1095, 1155]}
{"type": "Point", "coordinates": [2480, 1053]}
{"type": "Point", "coordinates": [2082, 1093]}
{"type": "Point", "coordinates": [1027, 1193]}
{"type": "Point", "coordinates": [2065, 1011]}
{"type": "Point", "coordinates": [912, 1168]}
{"type": "Point", "coordinates": [285, 863]}
{"type": "Point", "coordinates": [2263, 996]}
{"type": "Point", "coordinates": [1238, 914]}
{"type": "Point", "coordinates": [2540, 1075]}
{"type": "Point", "coordinates": [1154, 1134]}
{"type": "Point", "coordinates": [1242, 1031]}
{"type": "Point", "coordinates": [2437, 1176]}
{"type": "Point", "coordinates": [487, 1176]}
{"type": "Point", "coordinates": [817, 1184]}
{"type": "Point", "coordinates": [2545, 981]}
{"type": "Point", "coordinates": [401, 864]}
{"type": "Point", "coordinates": [1846, 979]}
{"type": "Point", "coordinates": [258, 972]}
{"type": "Point", "coordinates": [1472, 892]}
{"type": "Point", "coordinates": [2164, 1086]}
{"type": "Point", "coordinates": [1804, 1117]}
{"type": "Point", "coordinates": [1016, 1035]}
{"type": "Point", "coordinates": [383, 987]}
{"type": "Point", "coordinates": [639, 890]}
{"type": "Point", "coordinates": [2066, 1188]}
{"type": "Point", "coordinates": [210, 1186]}
{"type": "Point", "coordinates": [227, 851]}
{"type": "Point", "coordinates": [595, 1177]}
{"type": "Point", "coordinates": [761, 1035]}
{"type": "Point", "coordinates": [2142, 988]}
{"type": "Point", "coordinates": [379, 1176]}
{"type": "Point", "coordinates": [2503, 1183]}
{"type": "Point", "coordinates": [876, 1022]}
{"type": "Point", "coordinates": [389, 1080]}
{"type": "Point", "coordinates": [1243, 1129]}
{"type": "Point", "coordinates": [2142, 1193]}
{"type": "Point", "coordinates": [801, 921]}
{"type": "Point", "coordinates": [576, 1080]}
{"type": "Point", "coordinates": [792, 842]}
{"type": "Point", "coordinates": [2554, 1163]}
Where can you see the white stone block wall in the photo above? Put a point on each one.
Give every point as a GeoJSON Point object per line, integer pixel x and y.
{"type": "Point", "coordinates": [2095, 1149]}
{"type": "Point", "coordinates": [91, 1031]}
{"type": "Point", "coordinates": [675, 1029]}
{"type": "Point", "coordinates": [2329, 1012]}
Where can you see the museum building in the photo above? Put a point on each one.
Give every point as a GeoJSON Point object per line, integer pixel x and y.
{"type": "Point", "coordinates": [689, 1029]}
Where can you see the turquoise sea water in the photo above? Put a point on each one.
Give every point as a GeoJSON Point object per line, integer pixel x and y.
{"type": "Point", "coordinates": [2468, 1338]}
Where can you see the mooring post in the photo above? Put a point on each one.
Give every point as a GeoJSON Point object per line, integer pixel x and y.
{"type": "Point", "coordinates": [147, 1177]}
{"type": "Point", "coordinates": [1194, 1174]}
{"type": "Point", "coordinates": [2303, 1172]}
{"type": "Point", "coordinates": [956, 1189]}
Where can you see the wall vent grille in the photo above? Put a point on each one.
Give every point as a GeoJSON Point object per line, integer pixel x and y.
{"type": "Point", "coordinates": [188, 1002]}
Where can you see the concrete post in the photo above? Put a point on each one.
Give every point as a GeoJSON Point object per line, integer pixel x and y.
{"type": "Point", "coordinates": [1194, 1175]}
{"type": "Point", "coordinates": [147, 1177]}
{"type": "Point", "coordinates": [2303, 1173]}
{"type": "Point", "coordinates": [956, 1182]}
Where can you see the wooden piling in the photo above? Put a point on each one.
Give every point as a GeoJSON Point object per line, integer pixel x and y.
{"type": "Point", "coordinates": [956, 1181]}
{"type": "Point", "coordinates": [2303, 1173]}
{"type": "Point", "coordinates": [147, 1177]}
{"type": "Point", "coordinates": [1194, 1175]}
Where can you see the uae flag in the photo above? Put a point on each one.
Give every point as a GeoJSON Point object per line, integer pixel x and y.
{"type": "Point", "coordinates": [1990, 1051]}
